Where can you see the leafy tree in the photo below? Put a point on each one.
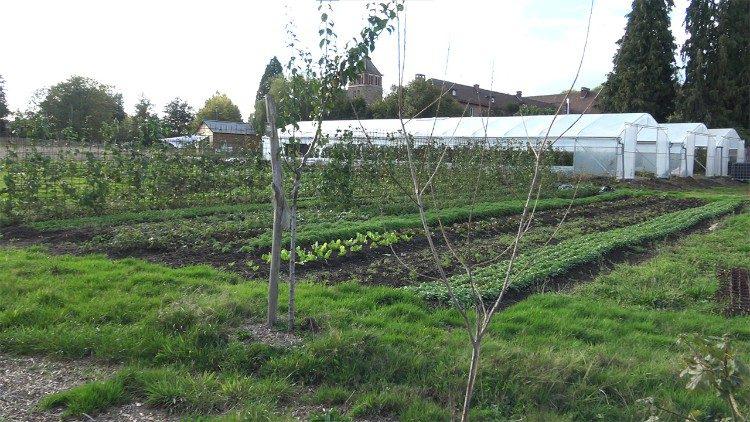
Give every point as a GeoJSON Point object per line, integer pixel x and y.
{"type": "Point", "coordinates": [81, 105]}
{"type": "Point", "coordinates": [695, 102]}
{"type": "Point", "coordinates": [143, 108]}
{"type": "Point", "coordinates": [31, 125]}
{"type": "Point", "coordinates": [178, 115]}
{"type": "Point", "coordinates": [296, 102]}
{"type": "Point", "coordinates": [4, 111]}
{"type": "Point", "coordinates": [420, 99]}
{"type": "Point", "coordinates": [218, 107]}
{"type": "Point", "coordinates": [273, 70]}
{"type": "Point", "coordinates": [644, 75]}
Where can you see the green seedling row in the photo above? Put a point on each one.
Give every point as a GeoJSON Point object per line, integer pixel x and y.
{"type": "Point", "coordinates": [554, 260]}
{"type": "Point", "coordinates": [341, 230]}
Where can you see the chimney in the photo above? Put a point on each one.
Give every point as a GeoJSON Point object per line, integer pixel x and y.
{"type": "Point", "coordinates": [419, 76]}
{"type": "Point", "coordinates": [585, 92]}
{"type": "Point", "coordinates": [519, 94]}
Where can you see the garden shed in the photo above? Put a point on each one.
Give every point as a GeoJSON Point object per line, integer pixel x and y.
{"type": "Point", "coordinates": [601, 144]}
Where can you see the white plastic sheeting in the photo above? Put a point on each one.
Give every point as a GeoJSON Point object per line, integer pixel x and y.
{"type": "Point", "coordinates": [683, 138]}
{"type": "Point", "coordinates": [729, 148]}
{"type": "Point", "coordinates": [601, 143]}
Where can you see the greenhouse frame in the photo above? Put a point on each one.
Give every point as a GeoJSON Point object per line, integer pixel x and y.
{"type": "Point", "coordinates": [602, 144]}
{"type": "Point", "coordinates": [617, 144]}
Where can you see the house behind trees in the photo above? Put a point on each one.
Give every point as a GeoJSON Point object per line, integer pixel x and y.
{"type": "Point", "coordinates": [229, 136]}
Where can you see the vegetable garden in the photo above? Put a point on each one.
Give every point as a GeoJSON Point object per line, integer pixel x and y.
{"type": "Point", "coordinates": [76, 230]}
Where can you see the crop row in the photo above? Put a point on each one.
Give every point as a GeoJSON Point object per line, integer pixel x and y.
{"type": "Point", "coordinates": [246, 229]}
{"type": "Point", "coordinates": [324, 231]}
{"type": "Point", "coordinates": [554, 260]}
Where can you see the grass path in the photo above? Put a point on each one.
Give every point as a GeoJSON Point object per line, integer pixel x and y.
{"type": "Point", "coordinates": [587, 354]}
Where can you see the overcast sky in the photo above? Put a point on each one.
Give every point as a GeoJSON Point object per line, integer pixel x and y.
{"type": "Point", "coordinates": [191, 49]}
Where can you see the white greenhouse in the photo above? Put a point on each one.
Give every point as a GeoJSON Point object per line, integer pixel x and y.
{"type": "Point", "coordinates": [601, 144]}
{"type": "Point", "coordinates": [723, 147]}
{"type": "Point", "coordinates": [683, 139]}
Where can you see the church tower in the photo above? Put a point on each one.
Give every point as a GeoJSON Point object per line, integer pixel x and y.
{"type": "Point", "coordinates": [369, 84]}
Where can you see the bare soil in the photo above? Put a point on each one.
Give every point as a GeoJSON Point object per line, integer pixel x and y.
{"type": "Point", "coordinates": [24, 381]}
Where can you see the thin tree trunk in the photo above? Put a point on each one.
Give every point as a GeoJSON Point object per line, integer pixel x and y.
{"type": "Point", "coordinates": [293, 250]}
{"type": "Point", "coordinates": [278, 214]}
{"type": "Point", "coordinates": [472, 378]}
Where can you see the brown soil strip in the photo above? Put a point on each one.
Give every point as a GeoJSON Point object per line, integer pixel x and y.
{"type": "Point", "coordinates": [734, 291]}
{"type": "Point", "coordinates": [24, 381]}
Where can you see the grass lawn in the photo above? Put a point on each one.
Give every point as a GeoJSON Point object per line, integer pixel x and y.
{"type": "Point", "coordinates": [586, 354]}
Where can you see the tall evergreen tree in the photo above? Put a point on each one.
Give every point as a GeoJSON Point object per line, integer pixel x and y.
{"type": "Point", "coordinates": [730, 72]}
{"type": "Point", "coordinates": [644, 75]}
{"type": "Point", "coordinates": [696, 102]}
{"type": "Point", "coordinates": [273, 69]}
{"type": "Point", "coordinates": [178, 115]}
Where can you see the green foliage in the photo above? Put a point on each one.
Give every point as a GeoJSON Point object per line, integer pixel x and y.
{"type": "Point", "coordinates": [558, 356]}
{"type": "Point", "coordinates": [81, 104]}
{"type": "Point", "coordinates": [273, 70]}
{"type": "Point", "coordinates": [644, 75]}
{"type": "Point", "coordinates": [4, 110]}
{"type": "Point", "coordinates": [178, 116]}
{"type": "Point", "coordinates": [712, 362]}
{"type": "Point", "coordinates": [218, 107]}
{"type": "Point", "coordinates": [36, 186]}
{"type": "Point", "coordinates": [420, 98]}
{"type": "Point", "coordinates": [549, 261]}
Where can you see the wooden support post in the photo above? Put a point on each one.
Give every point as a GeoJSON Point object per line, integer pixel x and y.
{"type": "Point", "coordinates": [279, 206]}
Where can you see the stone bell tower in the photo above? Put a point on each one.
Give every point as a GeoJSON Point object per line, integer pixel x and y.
{"type": "Point", "coordinates": [369, 84]}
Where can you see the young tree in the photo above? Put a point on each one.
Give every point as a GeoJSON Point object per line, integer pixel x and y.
{"type": "Point", "coordinates": [81, 105]}
{"type": "Point", "coordinates": [334, 70]}
{"type": "Point", "coordinates": [695, 101]}
{"type": "Point", "coordinates": [273, 70]}
{"type": "Point", "coordinates": [218, 107]}
{"type": "Point", "coordinates": [178, 115]}
{"type": "Point", "coordinates": [644, 75]}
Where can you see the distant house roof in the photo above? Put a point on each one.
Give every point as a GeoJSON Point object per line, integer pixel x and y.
{"type": "Point", "coordinates": [483, 97]}
{"type": "Point", "coordinates": [580, 102]}
{"type": "Point", "coordinates": [370, 68]}
{"type": "Point", "coordinates": [236, 128]}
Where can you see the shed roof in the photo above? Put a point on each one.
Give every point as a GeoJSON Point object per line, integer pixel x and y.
{"type": "Point", "coordinates": [236, 128]}
{"type": "Point", "coordinates": [564, 126]}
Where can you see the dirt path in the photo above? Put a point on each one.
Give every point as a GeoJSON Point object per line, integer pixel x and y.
{"type": "Point", "coordinates": [26, 380]}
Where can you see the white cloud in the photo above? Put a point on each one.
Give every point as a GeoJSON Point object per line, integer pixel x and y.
{"type": "Point", "coordinates": [191, 49]}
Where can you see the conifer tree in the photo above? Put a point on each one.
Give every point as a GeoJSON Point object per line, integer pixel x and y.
{"type": "Point", "coordinates": [643, 78]}
{"type": "Point", "coordinates": [273, 70]}
{"type": "Point", "coordinates": [696, 102]}
{"type": "Point", "coordinates": [730, 71]}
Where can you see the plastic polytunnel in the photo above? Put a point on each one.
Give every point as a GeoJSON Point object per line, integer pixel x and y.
{"type": "Point", "coordinates": [724, 147]}
{"type": "Point", "coordinates": [683, 138]}
{"type": "Point", "coordinates": [602, 144]}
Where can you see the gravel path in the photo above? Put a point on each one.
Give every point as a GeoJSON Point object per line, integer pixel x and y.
{"type": "Point", "coordinates": [26, 380]}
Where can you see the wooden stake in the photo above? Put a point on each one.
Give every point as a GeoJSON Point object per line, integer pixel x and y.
{"type": "Point", "coordinates": [279, 206]}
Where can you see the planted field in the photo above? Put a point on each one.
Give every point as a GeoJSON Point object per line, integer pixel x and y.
{"type": "Point", "coordinates": [376, 340]}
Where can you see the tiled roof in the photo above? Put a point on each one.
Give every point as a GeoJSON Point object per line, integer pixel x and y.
{"type": "Point", "coordinates": [483, 97]}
